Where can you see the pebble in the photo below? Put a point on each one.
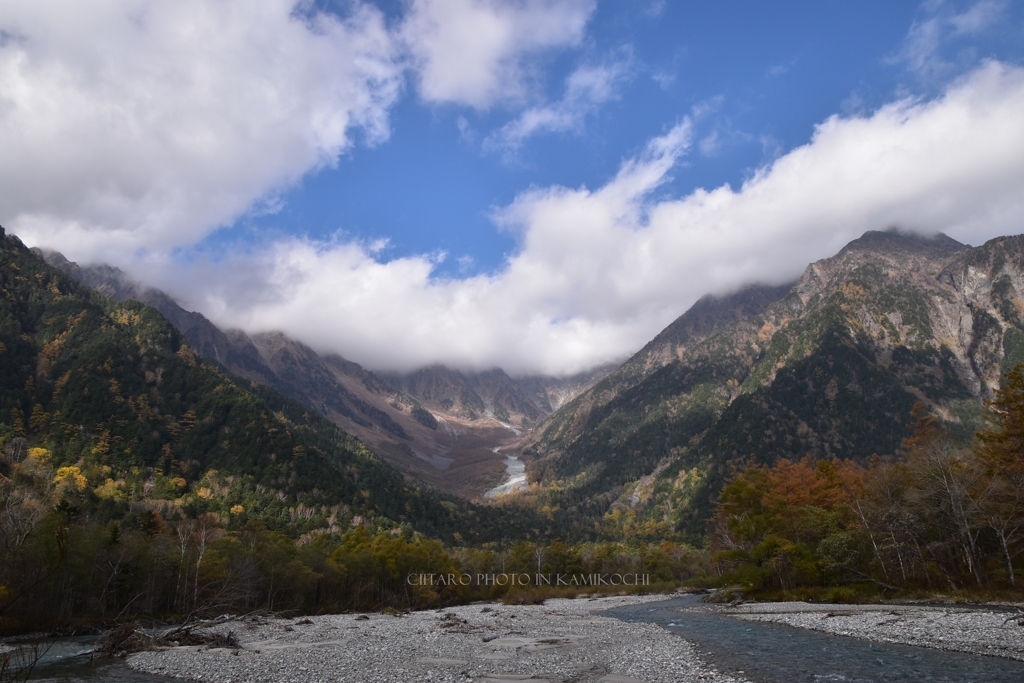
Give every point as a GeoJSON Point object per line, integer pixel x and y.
{"type": "Point", "coordinates": [560, 641]}
{"type": "Point", "coordinates": [972, 630]}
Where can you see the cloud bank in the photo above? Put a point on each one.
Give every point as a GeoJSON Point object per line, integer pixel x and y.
{"type": "Point", "coordinates": [600, 271]}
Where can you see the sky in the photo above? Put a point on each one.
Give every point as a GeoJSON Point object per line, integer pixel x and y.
{"type": "Point", "coordinates": [537, 185]}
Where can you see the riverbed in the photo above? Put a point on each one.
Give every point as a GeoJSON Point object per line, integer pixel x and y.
{"type": "Point", "coordinates": [68, 660]}
{"type": "Point", "coordinates": [626, 639]}
{"type": "Point", "coordinates": [515, 470]}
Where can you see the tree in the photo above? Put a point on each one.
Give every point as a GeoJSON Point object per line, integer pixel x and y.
{"type": "Point", "coordinates": [1001, 455]}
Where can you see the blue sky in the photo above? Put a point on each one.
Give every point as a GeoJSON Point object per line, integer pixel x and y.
{"type": "Point", "coordinates": [536, 184]}
{"type": "Point", "coordinates": [766, 73]}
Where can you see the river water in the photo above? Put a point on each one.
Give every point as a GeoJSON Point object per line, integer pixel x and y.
{"type": "Point", "coordinates": [775, 653]}
{"type": "Point", "coordinates": [516, 471]}
{"type": "Point", "coordinates": [66, 660]}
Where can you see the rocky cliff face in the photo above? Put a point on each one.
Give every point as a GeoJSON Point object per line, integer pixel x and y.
{"type": "Point", "coordinates": [830, 368]}
{"type": "Point", "coordinates": [517, 402]}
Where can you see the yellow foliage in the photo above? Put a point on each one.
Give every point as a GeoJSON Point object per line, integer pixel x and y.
{"type": "Point", "coordinates": [110, 489]}
{"type": "Point", "coordinates": [73, 477]}
{"type": "Point", "coordinates": [187, 354]}
{"type": "Point", "coordinates": [853, 291]}
{"type": "Point", "coordinates": [103, 445]}
{"type": "Point", "coordinates": [40, 454]}
{"type": "Point", "coordinates": [179, 482]}
{"type": "Point", "coordinates": [204, 493]}
{"type": "Point", "coordinates": [237, 509]}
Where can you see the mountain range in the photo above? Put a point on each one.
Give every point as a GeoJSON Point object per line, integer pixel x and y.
{"type": "Point", "coordinates": [107, 405]}
{"type": "Point", "coordinates": [832, 365]}
{"type": "Point", "coordinates": [437, 424]}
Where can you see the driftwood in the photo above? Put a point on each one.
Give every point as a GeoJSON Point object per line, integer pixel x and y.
{"type": "Point", "coordinates": [128, 637]}
{"type": "Point", "coordinates": [1016, 618]}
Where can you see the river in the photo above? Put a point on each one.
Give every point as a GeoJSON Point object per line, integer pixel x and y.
{"type": "Point", "coordinates": [774, 653]}
{"type": "Point", "coordinates": [66, 660]}
{"type": "Point", "coordinates": [515, 469]}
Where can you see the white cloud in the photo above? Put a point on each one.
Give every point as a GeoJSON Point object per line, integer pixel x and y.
{"type": "Point", "coordinates": [710, 144]}
{"type": "Point", "coordinates": [135, 125]}
{"type": "Point", "coordinates": [140, 124]}
{"type": "Point", "coordinates": [921, 50]}
{"type": "Point", "coordinates": [586, 89]}
{"type": "Point", "coordinates": [129, 128]}
{"type": "Point", "coordinates": [664, 79]}
{"type": "Point", "coordinates": [654, 9]}
{"type": "Point", "coordinates": [599, 272]}
{"type": "Point", "coordinates": [978, 17]}
{"type": "Point", "coordinates": [476, 52]}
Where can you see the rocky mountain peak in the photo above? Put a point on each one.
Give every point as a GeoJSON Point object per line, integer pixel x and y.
{"type": "Point", "coordinates": [894, 241]}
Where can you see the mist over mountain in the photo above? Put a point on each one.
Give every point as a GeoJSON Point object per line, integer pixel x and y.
{"type": "Point", "coordinates": [436, 424]}
{"type": "Point", "coordinates": [113, 394]}
{"type": "Point", "coordinates": [829, 366]}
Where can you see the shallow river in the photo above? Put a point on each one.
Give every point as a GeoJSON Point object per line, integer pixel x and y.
{"type": "Point", "coordinates": [774, 653]}
{"type": "Point", "coordinates": [65, 662]}
{"type": "Point", "coordinates": [516, 471]}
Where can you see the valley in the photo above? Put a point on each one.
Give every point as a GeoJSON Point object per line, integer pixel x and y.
{"type": "Point", "coordinates": [565, 341]}
{"type": "Point", "coordinates": [436, 425]}
{"type": "Point", "coordinates": [827, 366]}
{"type": "Point", "coordinates": [297, 467]}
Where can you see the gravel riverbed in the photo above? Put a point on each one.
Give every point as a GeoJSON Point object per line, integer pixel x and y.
{"type": "Point", "coordinates": [971, 630]}
{"type": "Point", "coordinates": [560, 641]}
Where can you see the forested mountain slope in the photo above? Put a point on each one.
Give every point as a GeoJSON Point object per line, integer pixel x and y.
{"type": "Point", "coordinates": [112, 396]}
{"type": "Point", "coordinates": [830, 368]}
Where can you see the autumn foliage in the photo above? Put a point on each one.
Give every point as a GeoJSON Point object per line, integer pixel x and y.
{"type": "Point", "coordinates": [940, 515]}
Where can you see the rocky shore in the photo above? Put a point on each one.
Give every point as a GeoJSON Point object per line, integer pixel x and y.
{"type": "Point", "coordinates": [560, 641]}
{"type": "Point", "coordinates": [973, 630]}
{"type": "Point", "coordinates": [564, 641]}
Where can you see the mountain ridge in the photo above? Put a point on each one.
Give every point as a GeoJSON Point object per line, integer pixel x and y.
{"type": "Point", "coordinates": [830, 369]}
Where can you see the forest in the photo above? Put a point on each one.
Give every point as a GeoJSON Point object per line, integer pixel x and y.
{"type": "Point", "coordinates": [941, 515]}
